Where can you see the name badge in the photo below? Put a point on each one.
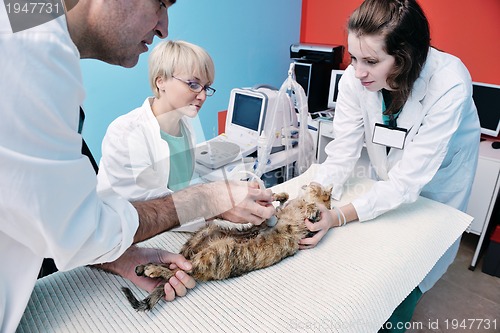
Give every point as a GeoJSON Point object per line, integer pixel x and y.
{"type": "Point", "coordinates": [392, 137]}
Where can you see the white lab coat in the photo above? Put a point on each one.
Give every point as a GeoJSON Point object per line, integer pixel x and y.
{"type": "Point", "coordinates": [135, 159]}
{"type": "Point", "coordinates": [48, 203]}
{"type": "Point", "coordinates": [440, 155]}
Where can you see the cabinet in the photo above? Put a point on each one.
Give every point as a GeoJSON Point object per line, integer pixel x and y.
{"type": "Point", "coordinates": [484, 189]}
{"type": "Point", "coordinates": [484, 194]}
{"type": "Point", "coordinates": [325, 135]}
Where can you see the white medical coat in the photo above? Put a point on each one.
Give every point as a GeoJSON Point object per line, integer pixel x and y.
{"type": "Point", "coordinates": [441, 148]}
{"type": "Point", "coordinates": [135, 159]}
{"type": "Point", "coordinates": [49, 207]}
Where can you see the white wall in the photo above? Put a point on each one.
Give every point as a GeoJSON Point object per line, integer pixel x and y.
{"type": "Point", "coordinates": [248, 40]}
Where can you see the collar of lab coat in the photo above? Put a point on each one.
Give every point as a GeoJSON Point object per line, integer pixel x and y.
{"type": "Point", "coordinates": [411, 118]}
{"type": "Point", "coordinates": [161, 146]}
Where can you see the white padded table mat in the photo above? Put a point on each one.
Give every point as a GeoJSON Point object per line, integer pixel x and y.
{"type": "Point", "coordinates": [351, 282]}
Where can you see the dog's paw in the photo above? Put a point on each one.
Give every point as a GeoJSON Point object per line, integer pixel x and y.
{"type": "Point", "coordinates": [281, 197]}
{"type": "Point", "coordinates": [150, 270]}
{"type": "Point", "coordinates": [313, 214]}
{"type": "Point", "coordinates": [139, 270]}
{"type": "Point", "coordinates": [154, 271]}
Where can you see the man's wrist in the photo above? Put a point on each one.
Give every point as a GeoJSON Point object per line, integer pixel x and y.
{"type": "Point", "coordinates": [123, 266]}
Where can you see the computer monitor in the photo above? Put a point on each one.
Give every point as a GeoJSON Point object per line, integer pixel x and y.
{"type": "Point", "coordinates": [334, 88]}
{"type": "Point", "coordinates": [303, 75]}
{"type": "Point", "coordinates": [314, 79]}
{"type": "Point", "coordinates": [487, 100]}
{"type": "Point", "coordinates": [245, 115]}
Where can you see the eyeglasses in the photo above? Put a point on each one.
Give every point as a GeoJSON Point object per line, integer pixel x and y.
{"type": "Point", "coordinates": [196, 87]}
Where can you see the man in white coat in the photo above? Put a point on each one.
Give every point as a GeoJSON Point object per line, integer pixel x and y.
{"type": "Point", "coordinates": [49, 207]}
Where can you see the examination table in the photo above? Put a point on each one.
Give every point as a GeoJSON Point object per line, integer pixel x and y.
{"type": "Point", "coordinates": [351, 282]}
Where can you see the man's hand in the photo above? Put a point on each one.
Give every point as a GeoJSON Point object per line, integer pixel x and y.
{"type": "Point", "coordinates": [236, 201]}
{"type": "Point", "coordinates": [250, 204]}
{"type": "Point", "coordinates": [125, 267]}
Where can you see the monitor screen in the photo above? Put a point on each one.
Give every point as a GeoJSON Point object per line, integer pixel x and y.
{"type": "Point", "coordinates": [247, 111]}
{"type": "Point", "coordinates": [487, 100]}
{"type": "Point", "coordinates": [334, 87]}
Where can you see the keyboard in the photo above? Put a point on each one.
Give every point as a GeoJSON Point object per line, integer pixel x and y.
{"type": "Point", "coordinates": [246, 147]}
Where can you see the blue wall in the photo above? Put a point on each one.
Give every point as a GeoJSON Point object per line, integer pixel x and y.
{"type": "Point", "coordinates": [248, 40]}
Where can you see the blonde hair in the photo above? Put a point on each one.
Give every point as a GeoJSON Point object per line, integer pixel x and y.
{"type": "Point", "coordinates": [171, 56]}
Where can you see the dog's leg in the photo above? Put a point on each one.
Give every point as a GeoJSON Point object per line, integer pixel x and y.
{"type": "Point", "coordinates": [149, 302]}
{"type": "Point", "coordinates": [313, 214]}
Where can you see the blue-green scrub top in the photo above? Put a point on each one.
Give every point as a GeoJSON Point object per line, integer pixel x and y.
{"type": "Point", "coordinates": [181, 161]}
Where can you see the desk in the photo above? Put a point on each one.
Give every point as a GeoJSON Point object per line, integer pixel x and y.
{"type": "Point", "coordinates": [484, 194]}
{"type": "Point", "coordinates": [325, 135]}
{"type": "Point", "coordinates": [351, 282]}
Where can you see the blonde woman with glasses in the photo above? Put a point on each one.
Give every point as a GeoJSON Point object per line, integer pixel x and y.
{"type": "Point", "coordinates": [149, 152]}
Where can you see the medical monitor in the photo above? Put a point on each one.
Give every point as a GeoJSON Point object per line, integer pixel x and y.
{"type": "Point", "coordinates": [487, 100]}
{"type": "Point", "coordinates": [334, 88]}
{"type": "Point", "coordinates": [245, 115]}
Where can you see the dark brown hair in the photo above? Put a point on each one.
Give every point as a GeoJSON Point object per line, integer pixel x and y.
{"type": "Point", "coordinates": [406, 33]}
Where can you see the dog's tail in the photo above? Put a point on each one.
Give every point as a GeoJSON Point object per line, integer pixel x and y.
{"type": "Point", "coordinates": [149, 302]}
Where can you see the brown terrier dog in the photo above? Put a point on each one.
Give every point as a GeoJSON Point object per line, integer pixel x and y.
{"type": "Point", "coordinates": [218, 253]}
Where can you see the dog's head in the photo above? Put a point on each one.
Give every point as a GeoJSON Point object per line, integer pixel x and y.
{"type": "Point", "coordinates": [315, 192]}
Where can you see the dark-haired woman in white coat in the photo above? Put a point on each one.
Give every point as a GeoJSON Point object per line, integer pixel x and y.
{"type": "Point", "coordinates": [411, 105]}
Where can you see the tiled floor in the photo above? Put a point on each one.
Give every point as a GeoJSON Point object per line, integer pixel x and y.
{"type": "Point", "coordinates": [462, 298]}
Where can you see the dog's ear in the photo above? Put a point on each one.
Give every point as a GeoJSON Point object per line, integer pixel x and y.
{"type": "Point", "coordinates": [327, 192]}
{"type": "Point", "coordinates": [328, 189]}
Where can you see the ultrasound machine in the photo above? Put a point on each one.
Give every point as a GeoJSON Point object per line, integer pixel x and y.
{"type": "Point", "coordinates": [236, 149]}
